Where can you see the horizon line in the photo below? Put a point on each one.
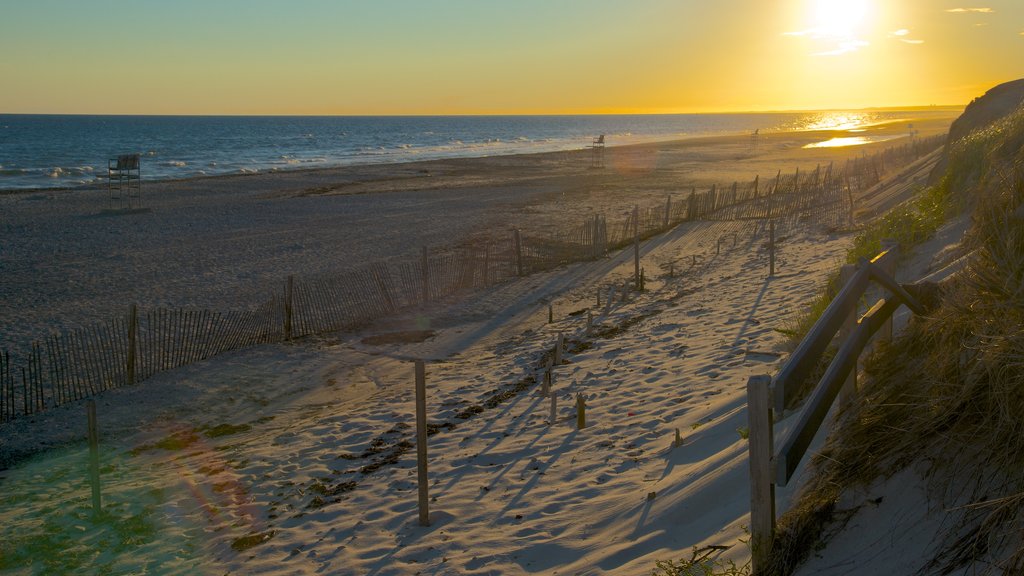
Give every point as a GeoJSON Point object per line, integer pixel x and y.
{"type": "Point", "coordinates": [507, 114]}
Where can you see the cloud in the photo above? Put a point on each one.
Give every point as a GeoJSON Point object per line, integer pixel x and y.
{"type": "Point", "coordinates": [902, 34]}
{"type": "Point", "coordinates": [844, 48]}
{"type": "Point", "coordinates": [966, 10]}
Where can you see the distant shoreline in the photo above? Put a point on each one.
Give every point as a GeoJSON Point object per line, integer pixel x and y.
{"type": "Point", "coordinates": [405, 164]}
{"type": "Point", "coordinates": [50, 153]}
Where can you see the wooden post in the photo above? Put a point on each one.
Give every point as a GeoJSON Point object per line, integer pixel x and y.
{"type": "Point", "coordinates": [424, 262]}
{"type": "Point", "coordinates": [581, 412]}
{"type": "Point", "coordinates": [487, 267]}
{"type": "Point", "coordinates": [668, 210]}
{"type": "Point", "coordinates": [762, 488]}
{"type": "Point", "coordinates": [545, 388]}
{"type": "Point", "coordinates": [133, 328]}
{"type": "Point", "coordinates": [885, 332]}
{"type": "Point", "coordinates": [849, 389]}
{"type": "Point", "coordinates": [421, 441]}
{"type": "Point", "coordinates": [551, 314]}
{"type": "Point", "coordinates": [590, 321]}
{"type": "Point", "coordinates": [94, 457]}
{"type": "Point", "coordinates": [288, 293]}
{"type": "Point", "coordinates": [636, 246]}
{"type": "Point", "coordinates": [554, 409]}
{"type": "Point", "coordinates": [678, 441]}
{"type": "Point", "coordinates": [558, 349]}
{"type": "Point", "coordinates": [771, 249]}
{"type": "Point", "coordinates": [518, 241]}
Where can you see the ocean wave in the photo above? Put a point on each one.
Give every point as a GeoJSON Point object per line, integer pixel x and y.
{"type": "Point", "coordinates": [174, 163]}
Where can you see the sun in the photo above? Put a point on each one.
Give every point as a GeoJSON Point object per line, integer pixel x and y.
{"type": "Point", "coordinates": [839, 18]}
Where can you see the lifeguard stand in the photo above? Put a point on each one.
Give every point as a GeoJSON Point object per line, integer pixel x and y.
{"type": "Point", "coordinates": [597, 152]}
{"type": "Point", "coordinates": [124, 182]}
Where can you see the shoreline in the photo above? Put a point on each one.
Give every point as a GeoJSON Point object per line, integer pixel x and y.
{"type": "Point", "coordinates": [673, 141]}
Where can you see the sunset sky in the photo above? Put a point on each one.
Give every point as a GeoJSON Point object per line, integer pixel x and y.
{"type": "Point", "coordinates": [488, 57]}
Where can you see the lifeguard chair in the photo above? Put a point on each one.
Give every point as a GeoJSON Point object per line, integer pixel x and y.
{"type": "Point", "coordinates": [597, 152]}
{"type": "Point", "coordinates": [124, 181]}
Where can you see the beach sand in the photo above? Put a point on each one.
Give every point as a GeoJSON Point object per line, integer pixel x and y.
{"type": "Point", "coordinates": [225, 243]}
{"type": "Point", "coordinates": [295, 458]}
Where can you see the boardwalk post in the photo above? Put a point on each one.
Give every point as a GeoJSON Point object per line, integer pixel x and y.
{"type": "Point", "coordinates": [133, 330]}
{"type": "Point", "coordinates": [288, 292]}
{"type": "Point", "coordinates": [636, 246]}
{"type": "Point", "coordinates": [762, 488]}
{"type": "Point", "coordinates": [421, 441]}
{"type": "Point", "coordinates": [518, 251]}
{"type": "Point", "coordinates": [424, 262]}
{"type": "Point", "coordinates": [668, 210]}
{"type": "Point", "coordinates": [94, 457]}
{"type": "Point", "coordinates": [849, 389]}
{"type": "Point", "coordinates": [771, 249]}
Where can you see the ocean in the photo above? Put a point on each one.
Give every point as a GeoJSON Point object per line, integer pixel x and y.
{"type": "Point", "coordinates": [54, 151]}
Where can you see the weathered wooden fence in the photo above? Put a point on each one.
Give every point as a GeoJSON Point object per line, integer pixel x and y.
{"type": "Point", "coordinates": [770, 467]}
{"type": "Point", "coordinates": [80, 363]}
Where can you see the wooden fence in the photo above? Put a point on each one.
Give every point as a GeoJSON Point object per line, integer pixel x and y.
{"type": "Point", "coordinates": [770, 467]}
{"type": "Point", "coordinates": [80, 363]}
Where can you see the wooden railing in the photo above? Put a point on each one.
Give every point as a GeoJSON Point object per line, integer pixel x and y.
{"type": "Point", "coordinates": [770, 467]}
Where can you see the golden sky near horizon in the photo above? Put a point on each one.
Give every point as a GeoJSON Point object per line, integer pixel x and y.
{"type": "Point", "coordinates": [488, 57]}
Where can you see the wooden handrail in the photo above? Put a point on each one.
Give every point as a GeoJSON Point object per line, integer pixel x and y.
{"type": "Point", "coordinates": [821, 399]}
{"type": "Point", "coordinates": [778, 468]}
{"type": "Point", "coordinates": [806, 355]}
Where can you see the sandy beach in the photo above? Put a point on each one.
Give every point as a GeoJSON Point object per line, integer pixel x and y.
{"type": "Point", "coordinates": [296, 458]}
{"type": "Point", "coordinates": [226, 242]}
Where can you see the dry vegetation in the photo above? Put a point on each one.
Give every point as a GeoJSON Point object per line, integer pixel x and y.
{"type": "Point", "coordinates": [950, 392]}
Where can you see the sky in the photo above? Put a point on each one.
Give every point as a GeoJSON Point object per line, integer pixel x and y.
{"type": "Point", "coordinates": [349, 57]}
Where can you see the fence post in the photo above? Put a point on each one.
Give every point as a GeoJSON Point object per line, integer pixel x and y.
{"type": "Point", "coordinates": [849, 389]}
{"type": "Point", "coordinates": [636, 246]}
{"type": "Point", "coordinates": [551, 314]}
{"type": "Point", "coordinates": [421, 441]}
{"type": "Point", "coordinates": [94, 456]}
{"type": "Point", "coordinates": [487, 267]}
{"type": "Point", "coordinates": [554, 408]}
{"type": "Point", "coordinates": [558, 349]}
{"type": "Point", "coordinates": [762, 488]}
{"type": "Point", "coordinates": [288, 291]}
{"type": "Point", "coordinates": [771, 248]}
{"type": "Point", "coordinates": [133, 330]}
{"type": "Point", "coordinates": [889, 266]}
{"type": "Point", "coordinates": [581, 412]}
{"type": "Point", "coordinates": [518, 241]}
{"type": "Point", "coordinates": [668, 210]}
{"type": "Point", "coordinates": [424, 262]}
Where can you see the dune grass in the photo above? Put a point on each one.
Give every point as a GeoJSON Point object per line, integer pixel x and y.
{"type": "Point", "coordinates": [951, 389]}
